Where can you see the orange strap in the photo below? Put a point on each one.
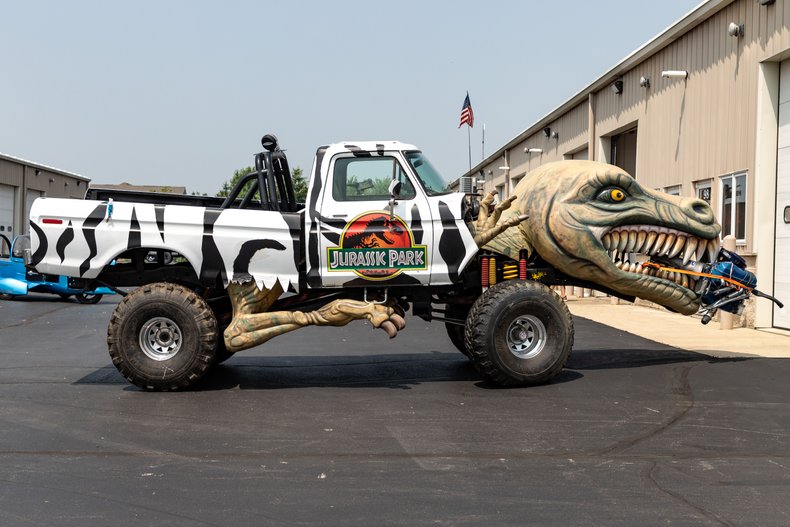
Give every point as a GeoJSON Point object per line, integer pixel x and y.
{"type": "Point", "coordinates": [730, 281]}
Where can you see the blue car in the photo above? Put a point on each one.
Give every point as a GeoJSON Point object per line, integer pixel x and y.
{"type": "Point", "coordinates": [17, 280]}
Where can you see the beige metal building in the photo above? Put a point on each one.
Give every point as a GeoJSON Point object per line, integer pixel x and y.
{"type": "Point", "coordinates": [701, 110]}
{"type": "Point", "coordinates": [23, 181]}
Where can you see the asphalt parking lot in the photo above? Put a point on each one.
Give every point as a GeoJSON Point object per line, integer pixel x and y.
{"type": "Point", "coordinates": [344, 427]}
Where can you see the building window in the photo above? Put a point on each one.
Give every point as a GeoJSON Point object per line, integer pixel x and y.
{"type": "Point", "coordinates": [733, 206]}
{"type": "Point", "coordinates": [673, 190]}
{"type": "Point", "coordinates": [702, 189]}
{"type": "Point", "coordinates": [500, 189]}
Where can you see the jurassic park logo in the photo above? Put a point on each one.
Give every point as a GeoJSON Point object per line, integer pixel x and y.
{"type": "Point", "coordinates": [377, 246]}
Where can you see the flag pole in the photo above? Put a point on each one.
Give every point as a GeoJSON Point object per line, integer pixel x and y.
{"type": "Point", "coordinates": [483, 151]}
{"type": "Point", "coordinates": [469, 139]}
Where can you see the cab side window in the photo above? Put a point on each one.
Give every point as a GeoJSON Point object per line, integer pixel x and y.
{"type": "Point", "coordinates": [368, 179]}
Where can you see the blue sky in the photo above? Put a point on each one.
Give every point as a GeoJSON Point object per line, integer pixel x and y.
{"type": "Point", "coordinates": [180, 92]}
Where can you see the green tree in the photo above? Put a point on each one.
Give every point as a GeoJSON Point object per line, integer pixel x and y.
{"type": "Point", "coordinates": [237, 175]}
{"type": "Point", "coordinates": [297, 178]}
{"type": "Point", "coordinates": [300, 185]}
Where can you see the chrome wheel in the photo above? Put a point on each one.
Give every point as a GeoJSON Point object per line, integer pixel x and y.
{"type": "Point", "coordinates": [160, 339]}
{"type": "Point", "coordinates": [526, 337]}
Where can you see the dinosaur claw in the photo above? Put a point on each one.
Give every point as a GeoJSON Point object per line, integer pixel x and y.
{"type": "Point", "coordinates": [398, 320]}
{"type": "Point", "coordinates": [390, 328]}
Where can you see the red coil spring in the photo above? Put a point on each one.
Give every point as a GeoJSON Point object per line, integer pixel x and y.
{"type": "Point", "coordinates": [484, 271]}
{"type": "Point", "coordinates": [522, 269]}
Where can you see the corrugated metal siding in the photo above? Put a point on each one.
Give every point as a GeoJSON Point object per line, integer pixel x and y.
{"type": "Point", "coordinates": [691, 130]}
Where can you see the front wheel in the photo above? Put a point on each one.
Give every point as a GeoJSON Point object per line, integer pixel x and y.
{"type": "Point", "coordinates": [162, 337]}
{"type": "Point", "coordinates": [519, 333]}
{"type": "Point", "coordinates": [6, 296]}
{"type": "Point", "coordinates": [88, 298]}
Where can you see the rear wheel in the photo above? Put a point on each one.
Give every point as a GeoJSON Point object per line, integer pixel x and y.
{"type": "Point", "coordinates": [88, 298]}
{"type": "Point", "coordinates": [519, 333]}
{"type": "Point", "coordinates": [162, 337]}
{"type": "Point", "coordinates": [5, 296]}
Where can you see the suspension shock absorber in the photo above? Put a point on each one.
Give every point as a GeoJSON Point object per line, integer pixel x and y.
{"type": "Point", "coordinates": [522, 265]}
{"type": "Point", "coordinates": [491, 270]}
{"type": "Point", "coordinates": [509, 271]}
{"type": "Point", "coordinates": [484, 271]}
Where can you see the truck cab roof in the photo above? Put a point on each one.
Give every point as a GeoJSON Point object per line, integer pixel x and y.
{"type": "Point", "coordinates": [367, 146]}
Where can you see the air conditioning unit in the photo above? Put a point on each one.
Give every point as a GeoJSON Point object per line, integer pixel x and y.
{"type": "Point", "coordinates": [468, 185]}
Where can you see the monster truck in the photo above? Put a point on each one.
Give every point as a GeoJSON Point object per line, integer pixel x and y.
{"type": "Point", "coordinates": [381, 233]}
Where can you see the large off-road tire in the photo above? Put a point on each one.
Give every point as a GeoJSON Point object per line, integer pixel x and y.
{"type": "Point", "coordinates": [88, 298]}
{"type": "Point", "coordinates": [519, 333]}
{"type": "Point", "coordinates": [162, 337]}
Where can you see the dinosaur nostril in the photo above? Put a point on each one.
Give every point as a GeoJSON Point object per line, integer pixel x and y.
{"type": "Point", "coordinates": [701, 208]}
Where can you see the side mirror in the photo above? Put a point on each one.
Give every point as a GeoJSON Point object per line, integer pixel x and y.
{"type": "Point", "coordinates": [394, 188]}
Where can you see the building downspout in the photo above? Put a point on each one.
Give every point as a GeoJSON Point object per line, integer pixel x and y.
{"type": "Point", "coordinates": [22, 202]}
{"type": "Point", "coordinates": [591, 127]}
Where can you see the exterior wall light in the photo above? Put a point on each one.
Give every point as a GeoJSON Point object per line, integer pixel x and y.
{"type": "Point", "coordinates": [675, 74]}
{"type": "Point", "coordinates": [533, 150]}
{"type": "Point", "coordinates": [644, 82]}
{"type": "Point", "coordinates": [617, 86]}
{"type": "Point", "coordinates": [547, 131]}
{"type": "Point", "coordinates": [735, 30]}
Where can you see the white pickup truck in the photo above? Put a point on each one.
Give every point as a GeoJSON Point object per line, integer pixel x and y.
{"type": "Point", "coordinates": [380, 229]}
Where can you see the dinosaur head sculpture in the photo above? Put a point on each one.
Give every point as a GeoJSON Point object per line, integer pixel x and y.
{"type": "Point", "coordinates": [593, 221]}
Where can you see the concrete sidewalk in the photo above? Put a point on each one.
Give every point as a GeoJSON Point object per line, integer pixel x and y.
{"type": "Point", "coordinates": [683, 332]}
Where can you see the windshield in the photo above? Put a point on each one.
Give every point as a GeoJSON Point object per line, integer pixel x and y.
{"type": "Point", "coordinates": [20, 244]}
{"type": "Point", "coordinates": [431, 180]}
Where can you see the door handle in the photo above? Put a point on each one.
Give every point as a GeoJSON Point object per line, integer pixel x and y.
{"type": "Point", "coordinates": [340, 215]}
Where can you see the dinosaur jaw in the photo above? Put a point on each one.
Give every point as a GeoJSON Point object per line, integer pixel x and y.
{"type": "Point", "coordinates": [629, 246]}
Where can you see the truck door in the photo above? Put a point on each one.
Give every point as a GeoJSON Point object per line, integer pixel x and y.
{"type": "Point", "coordinates": [361, 242]}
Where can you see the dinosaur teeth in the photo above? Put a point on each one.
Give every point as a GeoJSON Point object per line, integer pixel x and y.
{"type": "Point", "coordinates": [691, 248]}
{"type": "Point", "coordinates": [606, 241]}
{"type": "Point", "coordinates": [668, 244]}
{"type": "Point", "coordinates": [659, 243]}
{"type": "Point", "coordinates": [641, 237]}
{"type": "Point", "coordinates": [651, 240]}
{"type": "Point", "coordinates": [615, 240]}
{"type": "Point", "coordinates": [680, 242]}
{"type": "Point", "coordinates": [629, 248]}
{"type": "Point", "coordinates": [623, 242]}
{"type": "Point", "coordinates": [713, 249]}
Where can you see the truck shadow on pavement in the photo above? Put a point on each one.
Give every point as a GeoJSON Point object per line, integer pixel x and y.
{"type": "Point", "coordinates": [398, 371]}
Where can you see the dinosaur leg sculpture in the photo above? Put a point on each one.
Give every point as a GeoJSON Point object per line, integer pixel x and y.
{"type": "Point", "coordinates": [253, 324]}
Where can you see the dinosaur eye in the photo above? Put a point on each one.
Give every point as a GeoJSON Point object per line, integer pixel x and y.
{"type": "Point", "coordinates": [612, 195]}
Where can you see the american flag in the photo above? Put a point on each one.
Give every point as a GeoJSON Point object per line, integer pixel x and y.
{"type": "Point", "coordinates": [467, 115]}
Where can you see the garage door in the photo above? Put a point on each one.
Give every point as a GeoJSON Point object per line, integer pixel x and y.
{"type": "Point", "coordinates": [782, 247]}
{"type": "Point", "coordinates": [7, 211]}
